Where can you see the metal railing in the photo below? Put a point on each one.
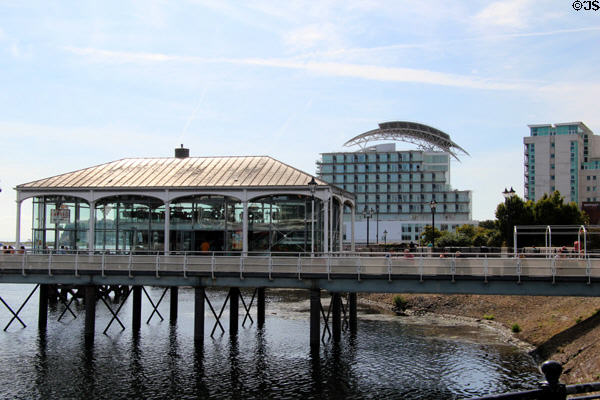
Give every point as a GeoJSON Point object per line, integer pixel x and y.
{"type": "Point", "coordinates": [455, 266]}
{"type": "Point", "coordinates": [551, 388]}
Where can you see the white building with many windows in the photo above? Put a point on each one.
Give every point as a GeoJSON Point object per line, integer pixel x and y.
{"type": "Point", "coordinates": [395, 189]}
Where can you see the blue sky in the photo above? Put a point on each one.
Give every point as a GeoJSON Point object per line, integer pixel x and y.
{"type": "Point", "coordinates": [83, 83]}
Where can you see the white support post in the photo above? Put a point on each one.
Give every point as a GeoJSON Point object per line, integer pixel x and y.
{"type": "Point", "coordinates": [245, 228]}
{"type": "Point", "coordinates": [92, 227]}
{"type": "Point", "coordinates": [331, 222]}
{"type": "Point", "coordinates": [352, 232]}
{"type": "Point", "coordinates": [341, 246]}
{"type": "Point", "coordinates": [312, 227]}
{"type": "Point", "coordinates": [326, 226]}
{"type": "Point", "coordinates": [167, 238]}
{"type": "Point", "coordinates": [18, 229]}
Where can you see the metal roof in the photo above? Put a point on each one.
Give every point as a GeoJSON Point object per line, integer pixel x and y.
{"type": "Point", "coordinates": [425, 137]}
{"type": "Point", "coordinates": [192, 172]}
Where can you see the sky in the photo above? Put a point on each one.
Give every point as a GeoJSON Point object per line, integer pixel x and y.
{"type": "Point", "coordinates": [84, 83]}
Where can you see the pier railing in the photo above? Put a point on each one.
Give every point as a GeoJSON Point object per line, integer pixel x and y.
{"type": "Point", "coordinates": [484, 266]}
{"type": "Point", "coordinates": [551, 388]}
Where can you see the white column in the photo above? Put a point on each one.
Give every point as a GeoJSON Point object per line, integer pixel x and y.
{"type": "Point", "coordinates": [167, 238]}
{"type": "Point", "coordinates": [341, 226]}
{"type": "Point", "coordinates": [312, 226]}
{"type": "Point", "coordinates": [331, 233]}
{"type": "Point", "coordinates": [352, 243]}
{"type": "Point", "coordinates": [326, 226]}
{"type": "Point", "coordinates": [18, 231]}
{"type": "Point", "coordinates": [92, 227]}
{"type": "Point", "coordinates": [245, 228]}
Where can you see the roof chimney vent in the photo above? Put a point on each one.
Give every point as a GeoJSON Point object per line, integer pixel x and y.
{"type": "Point", "coordinates": [182, 152]}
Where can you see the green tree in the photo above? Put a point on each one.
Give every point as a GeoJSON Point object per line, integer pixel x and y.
{"type": "Point", "coordinates": [513, 211]}
{"type": "Point", "coordinates": [427, 235]}
{"type": "Point", "coordinates": [549, 210]}
{"type": "Point", "coordinates": [488, 224]}
{"type": "Point", "coordinates": [552, 210]}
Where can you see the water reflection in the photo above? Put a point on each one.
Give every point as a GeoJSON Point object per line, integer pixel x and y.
{"type": "Point", "coordinates": [386, 359]}
{"type": "Point", "coordinates": [136, 381]}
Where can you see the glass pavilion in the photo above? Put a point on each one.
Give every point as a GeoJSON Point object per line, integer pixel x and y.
{"type": "Point", "coordinates": [221, 204]}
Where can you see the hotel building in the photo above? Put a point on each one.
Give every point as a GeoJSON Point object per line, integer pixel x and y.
{"type": "Point", "coordinates": [394, 188]}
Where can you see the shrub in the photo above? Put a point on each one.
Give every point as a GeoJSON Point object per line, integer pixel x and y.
{"type": "Point", "coordinates": [400, 302]}
{"type": "Point", "coordinates": [516, 328]}
{"type": "Point", "coordinates": [489, 317]}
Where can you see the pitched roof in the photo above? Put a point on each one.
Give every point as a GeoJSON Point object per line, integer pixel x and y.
{"type": "Point", "coordinates": [252, 171]}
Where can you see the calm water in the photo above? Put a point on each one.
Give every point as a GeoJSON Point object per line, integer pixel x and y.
{"type": "Point", "coordinates": [389, 358]}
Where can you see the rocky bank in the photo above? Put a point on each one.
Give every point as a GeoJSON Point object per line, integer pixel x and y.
{"type": "Point", "coordinates": [565, 329]}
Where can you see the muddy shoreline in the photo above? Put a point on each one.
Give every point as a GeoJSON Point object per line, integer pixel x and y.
{"type": "Point", "coordinates": [420, 316]}
{"type": "Point", "coordinates": [564, 329]}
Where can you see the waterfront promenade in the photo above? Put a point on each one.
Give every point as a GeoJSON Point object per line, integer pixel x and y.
{"type": "Point", "coordinates": [487, 273]}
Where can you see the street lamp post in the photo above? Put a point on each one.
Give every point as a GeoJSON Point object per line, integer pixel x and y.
{"type": "Point", "coordinates": [367, 214]}
{"type": "Point", "coordinates": [377, 225]}
{"type": "Point", "coordinates": [433, 205]}
{"type": "Point", "coordinates": [312, 185]}
{"type": "Point", "coordinates": [508, 194]}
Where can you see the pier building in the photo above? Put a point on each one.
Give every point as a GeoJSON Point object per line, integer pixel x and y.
{"type": "Point", "coordinates": [187, 204]}
{"type": "Point", "coordinates": [394, 188]}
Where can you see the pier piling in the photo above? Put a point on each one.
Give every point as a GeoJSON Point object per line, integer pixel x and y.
{"type": "Point", "coordinates": [315, 318]}
{"type": "Point", "coordinates": [352, 312]}
{"type": "Point", "coordinates": [43, 309]}
{"type": "Point", "coordinates": [260, 308]}
{"type": "Point", "coordinates": [199, 313]}
{"type": "Point", "coordinates": [136, 323]}
{"type": "Point", "coordinates": [173, 304]}
{"type": "Point", "coordinates": [90, 311]}
{"type": "Point", "coordinates": [234, 305]}
{"type": "Point", "coordinates": [336, 317]}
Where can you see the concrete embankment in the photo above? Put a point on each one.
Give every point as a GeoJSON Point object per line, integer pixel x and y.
{"type": "Point", "coordinates": [565, 329]}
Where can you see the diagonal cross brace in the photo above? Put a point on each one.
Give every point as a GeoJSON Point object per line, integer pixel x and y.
{"type": "Point", "coordinates": [16, 315]}
{"type": "Point", "coordinates": [218, 317]}
{"type": "Point", "coordinates": [345, 323]}
{"type": "Point", "coordinates": [249, 307]}
{"type": "Point", "coordinates": [155, 306]}
{"type": "Point", "coordinates": [67, 307]}
{"type": "Point", "coordinates": [115, 313]}
{"type": "Point", "coordinates": [326, 319]}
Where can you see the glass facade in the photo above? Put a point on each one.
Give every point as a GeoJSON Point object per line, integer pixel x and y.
{"type": "Point", "coordinates": [398, 185]}
{"type": "Point", "coordinates": [282, 223]}
{"type": "Point", "coordinates": [133, 223]}
{"type": "Point", "coordinates": [60, 222]}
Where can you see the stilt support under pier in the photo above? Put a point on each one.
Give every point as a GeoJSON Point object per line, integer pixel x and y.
{"type": "Point", "coordinates": [136, 322]}
{"type": "Point", "coordinates": [234, 305]}
{"type": "Point", "coordinates": [260, 308]}
{"type": "Point", "coordinates": [199, 313]}
{"type": "Point", "coordinates": [90, 311]}
{"type": "Point", "coordinates": [315, 318]}
{"type": "Point", "coordinates": [43, 310]}
{"type": "Point", "coordinates": [352, 312]}
{"type": "Point", "coordinates": [174, 298]}
{"type": "Point", "coordinates": [336, 317]}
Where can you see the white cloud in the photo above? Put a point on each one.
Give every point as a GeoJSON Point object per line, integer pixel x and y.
{"type": "Point", "coordinates": [506, 13]}
{"type": "Point", "coordinates": [311, 36]}
{"type": "Point", "coordinates": [370, 72]}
